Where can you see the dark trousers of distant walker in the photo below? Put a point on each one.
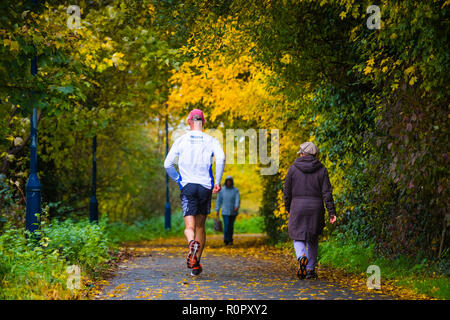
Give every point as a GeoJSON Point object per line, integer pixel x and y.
{"type": "Point", "coordinates": [228, 228]}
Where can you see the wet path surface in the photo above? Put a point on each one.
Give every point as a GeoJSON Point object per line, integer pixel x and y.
{"type": "Point", "coordinates": [247, 270]}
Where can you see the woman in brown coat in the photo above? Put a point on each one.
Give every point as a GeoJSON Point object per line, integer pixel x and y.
{"type": "Point", "coordinates": [306, 188]}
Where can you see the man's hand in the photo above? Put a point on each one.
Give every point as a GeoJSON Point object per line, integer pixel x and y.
{"type": "Point", "coordinates": [332, 219]}
{"type": "Point", "coordinates": [217, 188]}
{"type": "Point", "coordinates": [236, 209]}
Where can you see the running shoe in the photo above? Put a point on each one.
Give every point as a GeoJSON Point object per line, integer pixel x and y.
{"type": "Point", "coordinates": [311, 274]}
{"type": "Point", "coordinates": [197, 269]}
{"type": "Point", "coordinates": [302, 262]}
{"type": "Point", "coordinates": [192, 255]}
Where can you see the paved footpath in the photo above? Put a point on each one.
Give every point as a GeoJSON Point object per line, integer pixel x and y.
{"type": "Point", "coordinates": [247, 270]}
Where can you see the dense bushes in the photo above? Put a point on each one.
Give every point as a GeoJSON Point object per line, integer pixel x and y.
{"type": "Point", "coordinates": [36, 269]}
{"type": "Point", "coordinates": [272, 224]}
{"type": "Point", "coordinates": [81, 243]}
{"type": "Point", "coordinates": [28, 271]}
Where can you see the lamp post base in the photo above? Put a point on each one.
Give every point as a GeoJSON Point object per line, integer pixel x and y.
{"type": "Point", "coordinates": [93, 209]}
{"type": "Point", "coordinates": [33, 202]}
{"type": "Point", "coordinates": [167, 216]}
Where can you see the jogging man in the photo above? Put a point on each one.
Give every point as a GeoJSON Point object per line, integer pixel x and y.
{"type": "Point", "coordinates": [195, 151]}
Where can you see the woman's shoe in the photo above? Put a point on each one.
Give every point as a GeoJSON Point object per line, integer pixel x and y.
{"type": "Point", "coordinates": [302, 262]}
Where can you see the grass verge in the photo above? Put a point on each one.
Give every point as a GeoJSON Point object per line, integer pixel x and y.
{"type": "Point", "coordinates": [346, 262]}
{"type": "Point", "coordinates": [154, 228]}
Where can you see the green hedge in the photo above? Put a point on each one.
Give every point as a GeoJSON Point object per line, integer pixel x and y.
{"type": "Point", "coordinates": [36, 269]}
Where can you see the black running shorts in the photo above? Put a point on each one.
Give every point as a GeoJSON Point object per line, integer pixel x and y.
{"type": "Point", "coordinates": [195, 199]}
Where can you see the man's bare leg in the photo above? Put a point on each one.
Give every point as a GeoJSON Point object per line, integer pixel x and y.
{"type": "Point", "coordinates": [194, 247]}
{"type": "Point", "coordinates": [200, 233]}
{"type": "Point", "coordinates": [189, 230]}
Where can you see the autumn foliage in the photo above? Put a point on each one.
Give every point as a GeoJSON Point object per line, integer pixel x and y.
{"type": "Point", "coordinates": [374, 100]}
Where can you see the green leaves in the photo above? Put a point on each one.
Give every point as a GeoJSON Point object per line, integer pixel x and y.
{"type": "Point", "coordinates": [64, 90]}
{"type": "Point", "coordinates": [28, 271]}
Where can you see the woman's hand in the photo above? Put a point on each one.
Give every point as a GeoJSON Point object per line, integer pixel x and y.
{"type": "Point", "coordinates": [332, 219]}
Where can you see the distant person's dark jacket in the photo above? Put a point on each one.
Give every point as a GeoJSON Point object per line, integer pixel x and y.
{"type": "Point", "coordinates": [306, 188]}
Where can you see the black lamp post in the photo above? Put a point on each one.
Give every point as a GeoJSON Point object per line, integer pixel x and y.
{"type": "Point", "coordinates": [93, 204]}
{"type": "Point", "coordinates": [167, 210]}
{"type": "Point", "coordinates": [33, 187]}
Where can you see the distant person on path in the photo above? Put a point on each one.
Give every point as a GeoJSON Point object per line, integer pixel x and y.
{"type": "Point", "coordinates": [229, 200]}
{"type": "Point", "coordinates": [306, 188]}
{"type": "Point", "coordinates": [195, 151]}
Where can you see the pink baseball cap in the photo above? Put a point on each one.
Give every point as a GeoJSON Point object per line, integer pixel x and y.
{"type": "Point", "coordinates": [196, 114]}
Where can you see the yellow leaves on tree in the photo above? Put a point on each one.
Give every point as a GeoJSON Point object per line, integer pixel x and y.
{"type": "Point", "coordinates": [228, 81]}
{"type": "Point", "coordinates": [368, 69]}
